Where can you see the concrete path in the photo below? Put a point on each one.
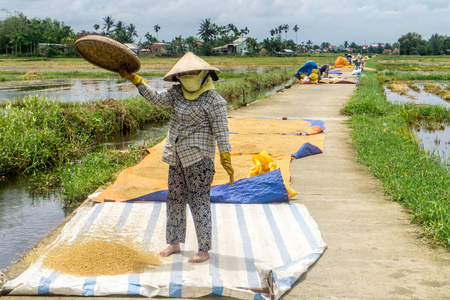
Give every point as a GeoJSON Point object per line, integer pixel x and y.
{"type": "Point", "coordinates": [373, 250]}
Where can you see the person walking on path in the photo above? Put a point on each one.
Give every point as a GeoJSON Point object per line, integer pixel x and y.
{"type": "Point", "coordinates": [197, 123]}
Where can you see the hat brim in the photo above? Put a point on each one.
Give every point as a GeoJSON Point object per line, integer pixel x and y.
{"type": "Point", "coordinates": [107, 53]}
{"type": "Point", "coordinates": [189, 62]}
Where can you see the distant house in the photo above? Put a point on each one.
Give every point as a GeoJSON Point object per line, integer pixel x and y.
{"type": "Point", "coordinates": [154, 49]}
{"type": "Point", "coordinates": [339, 48]}
{"type": "Point", "coordinates": [376, 45]}
{"type": "Point", "coordinates": [285, 52]}
{"type": "Point", "coordinates": [133, 47]}
{"type": "Point", "coordinates": [241, 45]}
{"type": "Point", "coordinates": [44, 47]}
{"type": "Point", "coordinates": [229, 49]}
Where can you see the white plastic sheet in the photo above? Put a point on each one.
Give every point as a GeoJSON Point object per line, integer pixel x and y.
{"type": "Point", "coordinates": [249, 241]}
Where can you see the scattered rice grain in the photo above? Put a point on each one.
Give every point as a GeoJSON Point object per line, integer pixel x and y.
{"type": "Point", "coordinates": [95, 258]}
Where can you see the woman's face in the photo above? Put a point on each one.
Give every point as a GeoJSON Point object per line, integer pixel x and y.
{"type": "Point", "coordinates": [189, 73]}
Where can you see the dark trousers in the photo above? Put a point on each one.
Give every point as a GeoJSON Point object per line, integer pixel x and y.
{"type": "Point", "coordinates": [190, 185]}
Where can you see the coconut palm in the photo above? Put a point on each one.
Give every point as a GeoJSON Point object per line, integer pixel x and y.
{"type": "Point", "coordinates": [296, 28]}
{"type": "Point", "coordinates": [120, 27]}
{"type": "Point", "coordinates": [109, 23]}
{"type": "Point", "coordinates": [285, 29]}
{"type": "Point", "coordinates": [156, 28]}
{"type": "Point", "coordinates": [131, 31]}
{"type": "Point", "coordinates": [207, 30]}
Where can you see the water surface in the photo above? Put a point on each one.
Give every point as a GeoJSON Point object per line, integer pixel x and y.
{"type": "Point", "coordinates": [436, 142]}
{"type": "Point", "coordinates": [76, 90]}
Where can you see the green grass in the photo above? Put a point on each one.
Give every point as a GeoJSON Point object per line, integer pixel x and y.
{"type": "Point", "coordinates": [251, 87]}
{"type": "Point", "coordinates": [80, 178]}
{"type": "Point", "coordinates": [384, 143]}
{"type": "Point", "coordinates": [56, 140]}
{"type": "Point", "coordinates": [38, 134]}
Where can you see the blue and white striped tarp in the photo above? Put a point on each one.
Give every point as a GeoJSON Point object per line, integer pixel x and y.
{"type": "Point", "coordinates": [249, 242]}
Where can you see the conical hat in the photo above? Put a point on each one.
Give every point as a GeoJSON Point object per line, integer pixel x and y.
{"type": "Point", "coordinates": [189, 62]}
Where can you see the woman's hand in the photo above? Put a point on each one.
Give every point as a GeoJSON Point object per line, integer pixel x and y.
{"type": "Point", "coordinates": [225, 160]}
{"type": "Point", "coordinates": [135, 79]}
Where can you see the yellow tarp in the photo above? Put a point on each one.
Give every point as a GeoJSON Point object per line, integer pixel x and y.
{"type": "Point", "coordinates": [248, 137]}
{"type": "Point", "coordinates": [341, 62]}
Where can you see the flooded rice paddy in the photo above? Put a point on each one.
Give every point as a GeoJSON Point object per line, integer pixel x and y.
{"type": "Point", "coordinates": [436, 141]}
{"type": "Point", "coordinates": [75, 90]}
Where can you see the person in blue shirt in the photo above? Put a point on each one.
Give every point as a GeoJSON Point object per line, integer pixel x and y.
{"type": "Point", "coordinates": [305, 71]}
{"type": "Point", "coordinates": [308, 67]}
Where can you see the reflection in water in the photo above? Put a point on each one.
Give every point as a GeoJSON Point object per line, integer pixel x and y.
{"type": "Point", "coordinates": [436, 142]}
{"type": "Point", "coordinates": [136, 138]}
{"type": "Point", "coordinates": [24, 219]}
{"type": "Point", "coordinates": [76, 90]}
{"type": "Point", "coordinates": [421, 97]}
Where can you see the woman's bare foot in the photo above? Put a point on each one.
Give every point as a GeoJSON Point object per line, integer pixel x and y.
{"type": "Point", "coordinates": [201, 256]}
{"type": "Point", "coordinates": [171, 249]}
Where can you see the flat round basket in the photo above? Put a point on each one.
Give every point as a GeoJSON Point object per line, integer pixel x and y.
{"type": "Point", "coordinates": [107, 53]}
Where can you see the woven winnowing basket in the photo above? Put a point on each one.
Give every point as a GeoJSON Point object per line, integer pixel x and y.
{"type": "Point", "coordinates": [107, 53]}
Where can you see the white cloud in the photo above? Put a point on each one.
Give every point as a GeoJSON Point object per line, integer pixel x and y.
{"type": "Point", "coordinates": [319, 21]}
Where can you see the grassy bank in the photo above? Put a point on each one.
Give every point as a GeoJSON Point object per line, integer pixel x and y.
{"type": "Point", "coordinates": [386, 145]}
{"type": "Point", "coordinates": [37, 133]}
{"type": "Point", "coordinates": [241, 91]}
{"type": "Point", "coordinates": [57, 140]}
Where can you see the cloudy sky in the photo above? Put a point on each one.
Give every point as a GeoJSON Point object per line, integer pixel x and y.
{"type": "Point", "coordinates": [333, 21]}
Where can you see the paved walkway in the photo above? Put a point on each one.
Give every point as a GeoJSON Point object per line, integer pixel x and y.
{"type": "Point", "coordinates": [373, 250]}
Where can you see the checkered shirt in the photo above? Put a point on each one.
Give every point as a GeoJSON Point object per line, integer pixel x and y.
{"type": "Point", "coordinates": [195, 125]}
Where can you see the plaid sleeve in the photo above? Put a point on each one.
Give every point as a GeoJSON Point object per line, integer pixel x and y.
{"type": "Point", "coordinates": [164, 98]}
{"type": "Point", "coordinates": [219, 123]}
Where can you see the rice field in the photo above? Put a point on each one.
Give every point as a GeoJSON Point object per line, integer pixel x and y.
{"type": "Point", "coordinates": [388, 146]}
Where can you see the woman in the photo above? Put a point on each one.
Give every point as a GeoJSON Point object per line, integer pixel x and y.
{"type": "Point", "coordinates": [197, 123]}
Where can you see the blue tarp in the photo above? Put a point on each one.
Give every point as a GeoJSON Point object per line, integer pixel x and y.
{"type": "Point", "coordinates": [306, 149]}
{"type": "Point", "coordinates": [264, 188]}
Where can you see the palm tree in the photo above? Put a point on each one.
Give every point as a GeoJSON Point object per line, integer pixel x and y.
{"type": "Point", "coordinates": [109, 23]}
{"type": "Point", "coordinates": [286, 29]}
{"type": "Point", "coordinates": [207, 30]}
{"type": "Point", "coordinates": [296, 28]}
{"type": "Point", "coordinates": [244, 31]}
{"type": "Point", "coordinates": [131, 31]}
{"type": "Point", "coordinates": [120, 27]}
{"type": "Point", "coordinates": [309, 44]}
{"type": "Point", "coordinates": [279, 29]}
{"type": "Point", "coordinates": [157, 28]}
{"type": "Point", "coordinates": [96, 27]}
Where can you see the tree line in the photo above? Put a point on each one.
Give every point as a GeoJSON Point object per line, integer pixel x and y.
{"type": "Point", "coordinates": [20, 36]}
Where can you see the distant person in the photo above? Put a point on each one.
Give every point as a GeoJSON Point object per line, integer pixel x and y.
{"type": "Point", "coordinates": [306, 72]}
{"type": "Point", "coordinates": [198, 122]}
{"type": "Point", "coordinates": [323, 71]}
{"type": "Point", "coordinates": [359, 61]}
{"type": "Point", "coordinates": [349, 58]}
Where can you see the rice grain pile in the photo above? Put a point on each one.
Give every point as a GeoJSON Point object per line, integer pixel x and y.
{"type": "Point", "coordinates": [95, 258]}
